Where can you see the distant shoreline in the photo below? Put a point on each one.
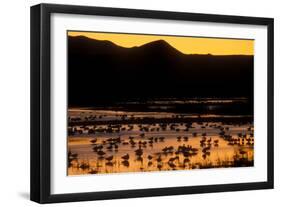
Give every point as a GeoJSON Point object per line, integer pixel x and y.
{"type": "Point", "coordinates": [148, 120]}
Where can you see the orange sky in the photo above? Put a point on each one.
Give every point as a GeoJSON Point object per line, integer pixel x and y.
{"type": "Point", "coordinates": [187, 45]}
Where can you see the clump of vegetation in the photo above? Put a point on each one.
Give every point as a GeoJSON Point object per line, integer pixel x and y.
{"type": "Point", "coordinates": [71, 157]}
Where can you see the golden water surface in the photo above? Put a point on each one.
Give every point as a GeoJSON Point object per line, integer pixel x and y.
{"type": "Point", "coordinates": [157, 147]}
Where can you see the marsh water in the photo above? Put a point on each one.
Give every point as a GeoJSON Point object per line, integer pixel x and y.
{"type": "Point", "coordinates": [159, 137]}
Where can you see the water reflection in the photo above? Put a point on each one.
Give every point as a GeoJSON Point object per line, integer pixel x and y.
{"type": "Point", "coordinates": [115, 148]}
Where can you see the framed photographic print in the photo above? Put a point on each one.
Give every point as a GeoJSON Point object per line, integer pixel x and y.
{"type": "Point", "coordinates": [132, 103]}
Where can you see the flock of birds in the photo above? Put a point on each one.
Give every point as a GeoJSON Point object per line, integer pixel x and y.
{"type": "Point", "coordinates": [173, 157]}
{"type": "Point", "coordinates": [84, 117]}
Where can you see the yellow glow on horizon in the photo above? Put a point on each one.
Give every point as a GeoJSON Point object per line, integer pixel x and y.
{"type": "Point", "coordinates": [187, 45]}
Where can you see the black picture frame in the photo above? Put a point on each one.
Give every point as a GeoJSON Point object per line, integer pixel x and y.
{"type": "Point", "coordinates": [41, 96]}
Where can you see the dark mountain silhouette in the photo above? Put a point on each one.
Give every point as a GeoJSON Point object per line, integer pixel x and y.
{"type": "Point", "coordinates": [101, 72]}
